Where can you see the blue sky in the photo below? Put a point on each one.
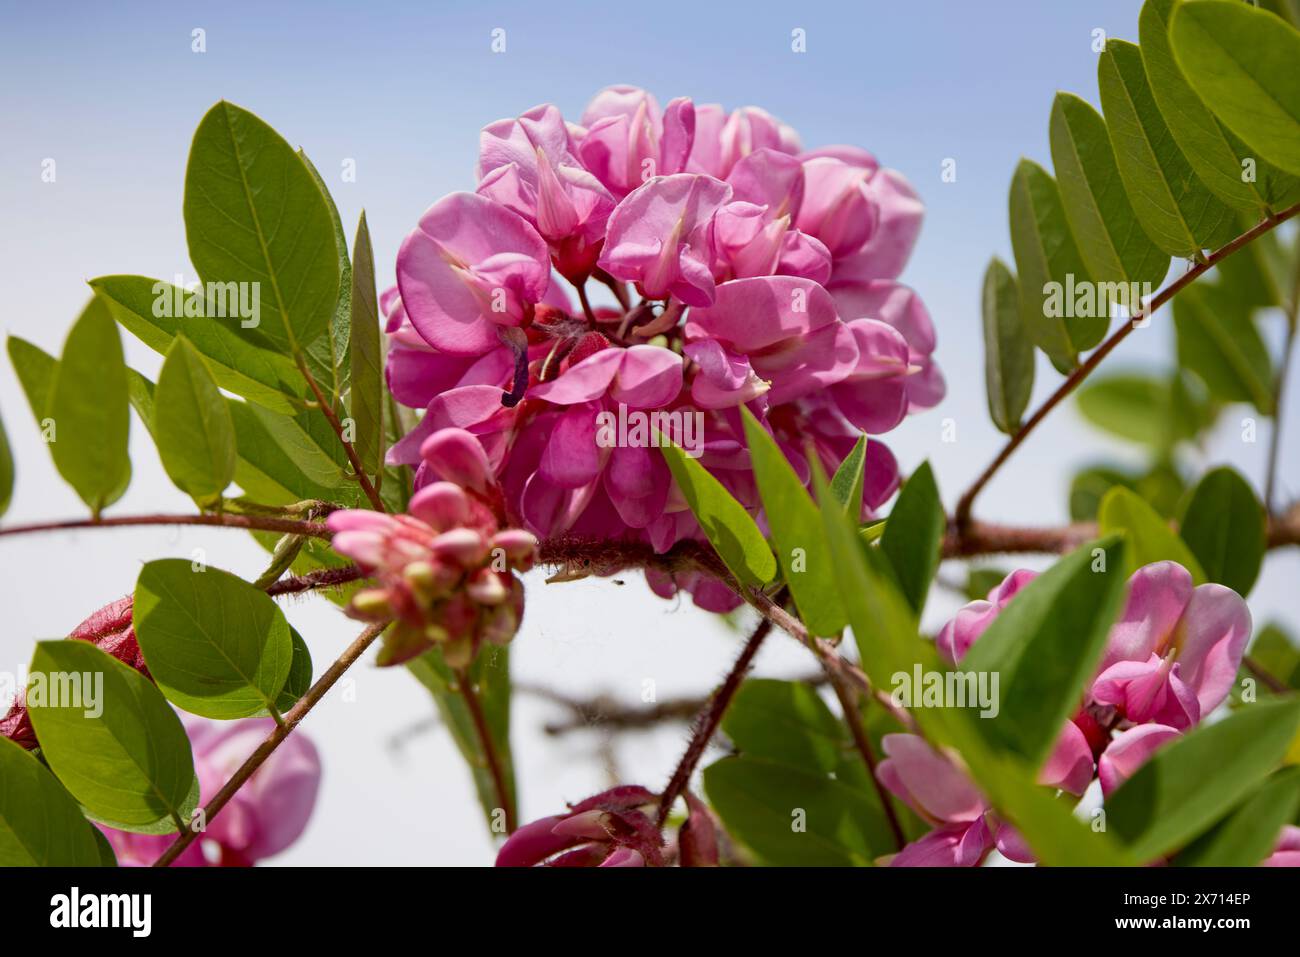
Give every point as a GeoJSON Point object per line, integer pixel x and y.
{"type": "Point", "coordinates": [112, 92]}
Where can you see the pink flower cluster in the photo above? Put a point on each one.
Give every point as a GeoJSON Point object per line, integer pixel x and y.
{"type": "Point", "coordinates": [615, 828]}
{"type": "Point", "coordinates": [264, 817]}
{"type": "Point", "coordinates": [1170, 660]}
{"type": "Point", "coordinates": [741, 271]}
{"type": "Point", "coordinates": [446, 571]}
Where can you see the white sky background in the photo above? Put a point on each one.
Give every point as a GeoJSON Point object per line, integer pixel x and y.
{"type": "Point", "coordinates": [114, 98]}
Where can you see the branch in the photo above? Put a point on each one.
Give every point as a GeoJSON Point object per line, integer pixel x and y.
{"type": "Point", "coordinates": [263, 523]}
{"type": "Point", "coordinates": [321, 578]}
{"type": "Point", "coordinates": [709, 719]}
{"type": "Point", "coordinates": [366, 485]}
{"type": "Point", "coordinates": [967, 500]}
{"type": "Point", "coordinates": [275, 738]}
{"type": "Point", "coordinates": [505, 800]}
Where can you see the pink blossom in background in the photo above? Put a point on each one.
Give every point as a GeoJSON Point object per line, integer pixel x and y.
{"type": "Point", "coordinates": [264, 817]}
{"type": "Point", "coordinates": [1170, 659]}
{"type": "Point", "coordinates": [731, 269]}
{"type": "Point", "coordinates": [610, 829]}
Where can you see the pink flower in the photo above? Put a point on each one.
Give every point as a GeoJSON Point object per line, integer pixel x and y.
{"type": "Point", "coordinates": [266, 815]}
{"type": "Point", "coordinates": [445, 572]}
{"type": "Point", "coordinates": [661, 237]}
{"type": "Point", "coordinates": [610, 829]}
{"type": "Point", "coordinates": [973, 619]}
{"type": "Point", "coordinates": [722, 140]}
{"type": "Point", "coordinates": [528, 166]}
{"type": "Point", "coordinates": [1128, 751]}
{"type": "Point", "coordinates": [1175, 651]}
{"type": "Point", "coordinates": [1287, 851]}
{"type": "Point", "coordinates": [471, 267]}
{"type": "Point", "coordinates": [629, 141]}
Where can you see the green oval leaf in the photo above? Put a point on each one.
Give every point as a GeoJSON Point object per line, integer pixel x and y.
{"type": "Point", "coordinates": [729, 527]}
{"type": "Point", "coordinates": [796, 532]}
{"type": "Point", "coordinates": [6, 470]}
{"type": "Point", "coordinates": [217, 646]}
{"type": "Point", "coordinates": [1224, 526]}
{"type": "Point", "coordinates": [35, 370]}
{"type": "Point", "coordinates": [1112, 244]}
{"type": "Point", "coordinates": [1218, 340]}
{"type": "Point", "coordinates": [1008, 352]}
{"type": "Point", "coordinates": [40, 825]}
{"type": "Point", "coordinates": [366, 399]}
{"type": "Point", "coordinates": [848, 481]}
{"type": "Point", "coordinates": [1175, 209]}
{"type": "Point", "coordinates": [1242, 63]}
{"type": "Point", "coordinates": [1048, 263]}
{"type": "Point", "coordinates": [108, 734]}
{"type": "Point", "coordinates": [1248, 834]}
{"type": "Point", "coordinates": [1171, 799]}
{"type": "Point", "coordinates": [913, 536]}
{"type": "Point", "coordinates": [242, 361]}
{"type": "Point", "coordinates": [1150, 539]}
{"type": "Point", "coordinates": [253, 213]}
{"type": "Point", "coordinates": [1045, 645]}
{"type": "Point", "coordinates": [1224, 164]}
{"type": "Point", "coordinates": [192, 425]}
{"type": "Point", "coordinates": [90, 410]}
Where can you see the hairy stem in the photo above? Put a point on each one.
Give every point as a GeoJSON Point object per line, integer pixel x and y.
{"type": "Point", "coordinates": [1279, 391]}
{"type": "Point", "coordinates": [967, 501]}
{"type": "Point", "coordinates": [262, 523]}
{"type": "Point", "coordinates": [314, 581]}
{"type": "Point", "coordinates": [275, 738]}
{"type": "Point", "coordinates": [358, 469]}
{"type": "Point", "coordinates": [709, 719]}
{"type": "Point", "coordinates": [505, 799]}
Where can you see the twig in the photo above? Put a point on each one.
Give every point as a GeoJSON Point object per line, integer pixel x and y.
{"type": "Point", "coordinates": [964, 505]}
{"type": "Point", "coordinates": [709, 719]}
{"type": "Point", "coordinates": [274, 739]}
{"type": "Point", "coordinates": [321, 578]}
{"type": "Point", "coordinates": [1279, 389]}
{"type": "Point", "coordinates": [263, 523]}
{"type": "Point", "coordinates": [358, 469]}
{"type": "Point", "coordinates": [505, 798]}
{"type": "Point", "coordinates": [1272, 682]}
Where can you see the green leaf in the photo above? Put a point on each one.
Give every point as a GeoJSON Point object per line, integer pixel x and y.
{"type": "Point", "coordinates": [1224, 526]}
{"type": "Point", "coordinates": [1112, 244]}
{"type": "Point", "coordinates": [1175, 209]}
{"type": "Point", "coordinates": [253, 213]}
{"type": "Point", "coordinates": [1045, 646]}
{"type": "Point", "coordinates": [1150, 539]}
{"type": "Point", "coordinates": [913, 536]}
{"type": "Point", "coordinates": [886, 633]}
{"type": "Point", "coordinates": [1277, 653]}
{"type": "Point", "coordinates": [1218, 340]}
{"type": "Point", "coordinates": [366, 402]}
{"type": "Point", "coordinates": [243, 361]}
{"type": "Point", "coordinates": [490, 673]}
{"type": "Point", "coordinates": [217, 646]}
{"type": "Point", "coordinates": [1162, 488]}
{"type": "Point", "coordinates": [1171, 799]}
{"type": "Point", "coordinates": [281, 462]}
{"type": "Point", "coordinates": [329, 357]}
{"type": "Point", "coordinates": [40, 825]}
{"type": "Point", "coordinates": [786, 722]}
{"type": "Point", "coordinates": [192, 425]}
{"type": "Point", "coordinates": [1157, 412]}
{"type": "Point", "coordinates": [762, 801]}
{"type": "Point", "coordinates": [1048, 261]}
{"type": "Point", "coordinates": [120, 750]}
{"type": "Point", "coordinates": [850, 477]}
{"type": "Point", "coordinates": [35, 369]}
{"type": "Point", "coordinates": [300, 674]}
{"type": "Point", "coordinates": [1248, 834]}
{"type": "Point", "coordinates": [1218, 158]}
{"type": "Point", "coordinates": [1242, 63]}
{"type": "Point", "coordinates": [796, 532]}
{"type": "Point", "coordinates": [6, 470]}
{"type": "Point", "coordinates": [88, 402]}
{"type": "Point", "coordinates": [1008, 353]}
{"type": "Point", "coordinates": [729, 527]}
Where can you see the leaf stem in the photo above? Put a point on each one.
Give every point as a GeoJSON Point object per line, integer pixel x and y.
{"type": "Point", "coordinates": [264, 523]}
{"type": "Point", "coordinates": [294, 715]}
{"type": "Point", "coordinates": [962, 518]}
{"type": "Point", "coordinates": [708, 720]}
{"type": "Point", "coordinates": [358, 469]}
{"type": "Point", "coordinates": [505, 799]}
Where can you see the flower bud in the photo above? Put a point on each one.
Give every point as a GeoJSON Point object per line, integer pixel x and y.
{"type": "Point", "coordinates": [487, 588]}
{"type": "Point", "coordinates": [441, 505]}
{"type": "Point", "coordinates": [455, 455]}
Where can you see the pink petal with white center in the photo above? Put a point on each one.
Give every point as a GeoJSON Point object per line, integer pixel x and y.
{"type": "Point", "coordinates": [1157, 597]}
